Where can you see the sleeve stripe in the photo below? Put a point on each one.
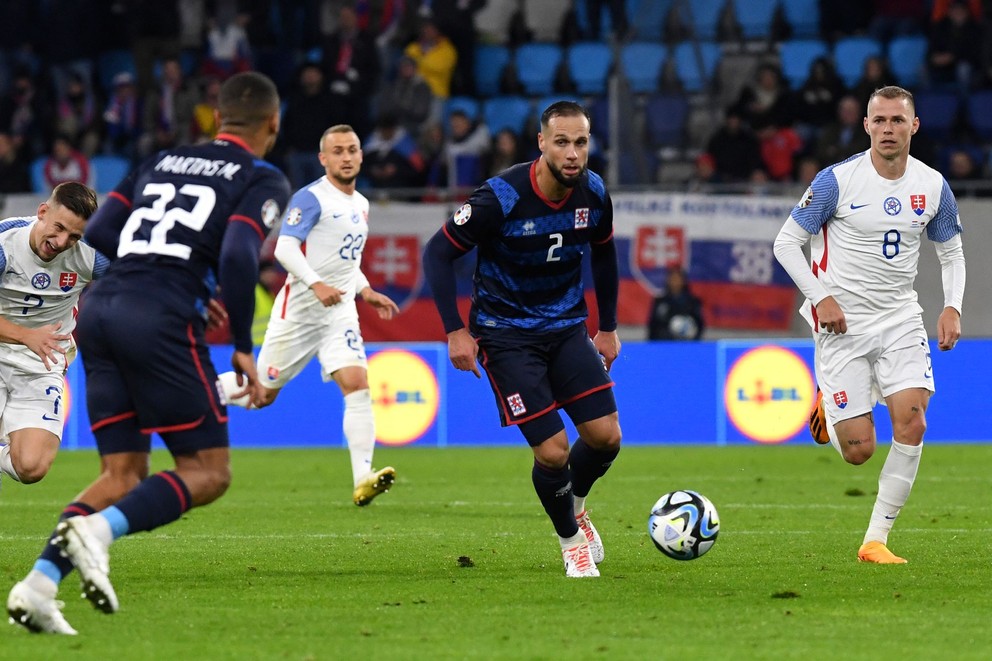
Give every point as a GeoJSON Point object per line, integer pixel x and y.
{"type": "Point", "coordinates": [453, 240]}
{"type": "Point", "coordinates": [237, 218]}
{"type": "Point", "coordinates": [120, 198]}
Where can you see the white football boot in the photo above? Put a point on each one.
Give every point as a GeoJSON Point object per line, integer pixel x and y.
{"type": "Point", "coordinates": [90, 556]}
{"type": "Point", "coordinates": [589, 530]}
{"type": "Point", "coordinates": [579, 562]}
{"type": "Point", "coordinates": [36, 612]}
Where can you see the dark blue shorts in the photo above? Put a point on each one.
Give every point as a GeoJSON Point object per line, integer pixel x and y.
{"type": "Point", "coordinates": [148, 370]}
{"type": "Point", "coordinates": [532, 376]}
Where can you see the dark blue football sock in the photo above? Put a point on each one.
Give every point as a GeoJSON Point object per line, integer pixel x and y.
{"type": "Point", "coordinates": [50, 562]}
{"type": "Point", "coordinates": [158, 500]}
{"type": "Point", "coordinates": [554, 488]}
{"type": "Point", "coordinates": [588, 465]}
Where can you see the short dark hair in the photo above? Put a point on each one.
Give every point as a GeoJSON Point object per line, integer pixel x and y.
{"type": "Point", "coordinates": [78, 198]}
{"type": "Point", "coordinates": [563, 109]}
{"type": "Point", "coordinates": [894, 92]}
{"type": "Point", "coordinates": [247, 99]}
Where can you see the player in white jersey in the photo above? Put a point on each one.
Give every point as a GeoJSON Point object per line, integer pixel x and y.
{"type": "Point", "coordinates": [320, 244]}
{"type": "Point", "coordinates": [865, 219]}
{"type": "Point", "coordinates": [43, 269]}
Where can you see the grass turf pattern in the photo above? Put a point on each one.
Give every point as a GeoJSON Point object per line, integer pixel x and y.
{"type": "Point", "coordinates": [458, 561]}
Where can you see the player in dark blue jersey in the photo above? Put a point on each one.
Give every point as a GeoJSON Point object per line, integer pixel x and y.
{"type": "Point", "coordinates": [531, 226]}
{"type": "Point", "coordinates": [184, 214]}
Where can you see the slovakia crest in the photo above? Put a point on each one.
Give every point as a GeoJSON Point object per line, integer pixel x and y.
{"type": "Point", "coordinates": [392, 265]}
{"type": "Point", "coordinates": [656, 250]}
{"type": "Point", "coordinates": [67, 280]}
{"type": "Point", "coordinates": [840, 399]}
{"type": "Point", "coordinates": [516, 403]}
{"type": "Point", "coordinates": [918, 203]}
{"type": "Point", "coordinates": [581, 219]}
{"type": "Point", "coordinates": [272, 373]}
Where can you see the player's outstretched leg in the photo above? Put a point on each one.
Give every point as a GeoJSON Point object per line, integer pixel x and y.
{"type": "Point", "coordinates": [36, 611]}
{"type": "Point", "coordinates": [373, 484]}
{"type": "Point", "coordinates": [87, 546]}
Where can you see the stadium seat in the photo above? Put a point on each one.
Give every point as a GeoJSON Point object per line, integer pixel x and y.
{"type": "Point", "coordinates": [490, 60]}
{"type": "Point", "coordinates": [468, 105]}
{"type": "Point", "coordinates": [468, 170]}
{"type": "Point", "coordinates": [907, 58]}
{"type": "Point", "coordinates": [979, 106]}
{"type": "Point", "coordinates": [589, 65]}
{"type": "Point", "coordinates": [665, 116]}
{"type": "Point", "coordinates": [112, 62]}
{"type": "Point", "coordinates": [647, 18]}
{"type": "Point", "coordinates": [38, 184]}
{"type": "Point", "coordinates": [938, 112]}
{"type": "Point", "coordinates": [803, 17]}
{"type": "Point", "coordinates": [537, 65]}
{"type": "Point", "coordinates": [506, 112]}
{"type": "Point", "coordinates": [755, 17]}
{"type": "Point", "coordinates": [796, 56]}
{"type": "Point", "coordinates": [702, 17]}
{"type": "Point", "coordinates": [599, 113]}
{"type": "Point", "coordinates": [641, 63]}
{"type": "Point", "coordinates": [695, 64]}
{"type": "Point", "coordinates": [850, 54]}
{"type": "Point", "coordinates": [108, 172]}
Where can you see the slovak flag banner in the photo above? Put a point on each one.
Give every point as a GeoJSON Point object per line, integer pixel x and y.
{"type": "Point", "coordinates": [840, 399]}
{"type": "Point", "coordinates": [918, 203]}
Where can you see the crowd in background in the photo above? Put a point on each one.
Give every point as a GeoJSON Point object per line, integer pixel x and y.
{"type": "Point", "coordinates": [388, 67]}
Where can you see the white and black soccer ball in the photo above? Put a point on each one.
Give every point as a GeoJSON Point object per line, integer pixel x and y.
{"type": "Point", "coordinates": [683, 524]}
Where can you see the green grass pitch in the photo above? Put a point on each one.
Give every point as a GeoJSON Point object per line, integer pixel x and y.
{"type": "Point", "coordinates": [458, 561]}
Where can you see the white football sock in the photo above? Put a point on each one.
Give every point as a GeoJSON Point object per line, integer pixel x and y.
{"type": "Point", "coordinates": [359, 431]}
{"type": "Point", "coordinates": [894, 484]}
{"type": "Point", "coordinates": [579, 504]}
{"type": "Point", "coordinates": [574, 540]}
{"type": "Point", "coordinates": [6, 463]}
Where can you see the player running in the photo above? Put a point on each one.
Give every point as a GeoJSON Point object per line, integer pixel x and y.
{"type": "Point", "coordinates": [865, 218]}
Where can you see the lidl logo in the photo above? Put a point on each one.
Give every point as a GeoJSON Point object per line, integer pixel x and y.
{"type": "Point", "coordinates": [768, 394]}
{"type": "Point", "coordinates": [405, 396]}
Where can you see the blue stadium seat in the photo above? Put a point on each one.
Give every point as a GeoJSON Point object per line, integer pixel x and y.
{"type": "Point", "coordinates": [641, 64]}
{"type": "Point", "coordinates": [468, 170]}
{"type": "Point", "coordinates": [938, 112]}
{"type": "Point", "coordinates": [38, 184]}
{"type": "Point", "coordinates": [755, 17]}
{"type": "Point", "coordinates": [979, 106]}
{"type": "Point", "coordinates": [797, 55]}
{"type": "Point", "coordinates": [695, 68]}
{"type": "Point", "coordinates": [589, 65]}
{"type": "Point", "coordinates": [490, 60]}
{"type": "Point", "coordinates": [467, 104]}
{"type": "Point", "coordinates": [537, 64]}
{"type": "Point", "coordinates": [501, 112]}
{"type": "Point", "coordinates": [109, 171]}
{"type": "Point", "coordinates": [112, 62]}
{"type": "Point", "coordinates": [665, 116]}
{"type": "Point", "coordinates": [647, 18]}
{"type": "Point", "coordinates": [599, 113]}
{"type": "Point", "coordinates": [908, 59]}
{"type": "Point", "coordinates": [703, 17]}
{"type": "Point", "coordinates": [850, 54]}
{"type": "Point", "coordinates": [803, 16]}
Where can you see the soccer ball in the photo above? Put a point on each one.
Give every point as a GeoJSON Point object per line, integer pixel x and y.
{"type": "Point", "coordinates": [683, 524]}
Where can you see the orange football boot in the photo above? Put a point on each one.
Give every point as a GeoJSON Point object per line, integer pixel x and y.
{"type": "Point", "coordinates": [818, 421]}
{"type": "Point", "coordinates": [878, 553]}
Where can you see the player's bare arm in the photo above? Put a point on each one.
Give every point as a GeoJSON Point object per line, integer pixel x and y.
{"type": "Point", "coordinates": [326, 294]}
{"type": "Point", "coordinates": [384, 306]}
{"type": "Point", "coordinates": [607, 343]}
{"type": "Point", "coordinates": [948, 329]}
{"type": "Point", "coordinates": [463, 351]}
{"type": "Point", "coordinates": [830, 316]}
{"type": "Point", "coordinates": [44, 341]}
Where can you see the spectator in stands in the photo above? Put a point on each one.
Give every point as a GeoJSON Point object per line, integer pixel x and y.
{"type": "Point", "coordinates": [465, 149]}
{"type": "Point", "coordinates": [704, 175]}
{"type": "Point", "coordinates": [407, 96]}
{"type": "Point", "coordinates": [436, 58]}
{"type": "Point", "coordinates": [506, 152]}
{"type": "Point", "coordinates": [228, 51]}
{"type": "Point", "coordinates": [779, 146]}
{"type": "Point", "coordinates": [955, 54]}
{"type": "Point", "coordinates": [816, 101]}
{"type": "Point", "coordinates": [846, 135]}
{"type": "Point", "coordinates": [169, 107]}
{"type": "Point", "coordinates": [806, 169]}
{"type": "Point", "coordinates": [391, 156]}
{"type": "Point", "coordinates": [895, 18]}
{"type": "Point", "coordinates": [78, 116]}
{"type": "Point", "coordinates": [13, 168]}
{"type": "Point", "coordinates": [66, 40]}
{"type": "Point", "coordinates": [677, 314]}
{"type": "Point", "coordinates": [307, 114]}
{"type": "Point", "coordinates": [351, 61]}
{"type": "Point", "coordinates": [735, 149]}
{"type": "Point", "coordinates": [962, 168]}
{"type": "Point", "coordinates": [64, 164]}
{"type": "Point", "coordinates": [618, 19]}
{"type": "Point", "coordinates": [23, 115]}
{"type": "Point", "coordinates": [124, 119]}
{"type": "Point", "coordinates": [204, 113]}
{"type": "Point", "coordinates": [875, 75]}
{"type": "Point", "coordinates": [154, 28]}
{"type": "Point", "coordinates": [456, 20]}
{"type": "Point", "coordinates": [766, 100]}
{"type": "Point", "coordinates": [842, 18]}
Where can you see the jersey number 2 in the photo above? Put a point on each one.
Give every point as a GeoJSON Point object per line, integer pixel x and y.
{"type": "Point", "coordinates": [165, 219]}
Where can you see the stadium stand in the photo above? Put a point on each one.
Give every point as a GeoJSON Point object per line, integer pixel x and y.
{"type": "Point", "coordinates": [755, 17]}
{"type": "Point", "coordinates": [797, 55]}
{"type": "Point", "coordinates": [850, 54]}
{"type": "Point", "coordinates": [512, 112]}
{"type": "Point", "coordinates": [490, 60]}
{"type": "Point", "coordinates": [641, 64]}
{"type": "Point", "coordinates": [109, 171]}
{"type": "Point", "coordinates": [695, 64]}
{"type": "Point", "coordinates": [589, 66]}
{"type": "Point", "coordinates": [537, 66]}
{"type": "Point", "coordinates": [907, 57]}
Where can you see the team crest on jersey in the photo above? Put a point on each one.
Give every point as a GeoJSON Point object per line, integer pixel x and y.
{"type": "Point", "coordinates": [41, 280]}
{"type": "Point", "coordinates": [516, 403]}
{"type": "Point", "coordinates": [892, 206]}
{"type": "Point", "coordinates": [272, 373]}
{"type": "Point", "coordinates": [807, 198]}
{"type": "Point", "coordinates": [463, 214]}
{"type": "Point", "coordinates": [840, 399]}
{"type": "Point", "coordinates": [294, 216]}
{"type": "Point", "coordinates": [918, 203]}
{"type": "Point", "coordinates": [67, 280]}
{"type": "Point", "coordinates": [270, 212]}
{"type": "Point", "coordinates": [581, 219]}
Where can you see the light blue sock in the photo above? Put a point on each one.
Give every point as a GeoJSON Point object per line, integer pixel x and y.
{"type": "Point", "coordinates": [119, 525]}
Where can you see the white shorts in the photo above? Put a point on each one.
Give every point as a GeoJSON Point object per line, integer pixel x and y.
{"type": "Point", "coordinates": [31, 400]}
{"type": "Point", "coordinates": [289, 346]}
{"type": "Point", "coordinates": [857, 371]}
